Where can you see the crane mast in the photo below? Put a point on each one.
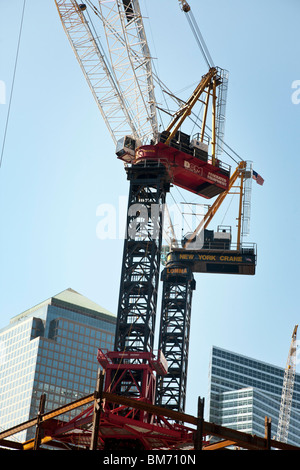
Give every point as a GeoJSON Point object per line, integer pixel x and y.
{"type": "Point", "coordinates": [287, 391]}
{"type": "Point", "coordinates": [121, 80]}
{"type": "Point", "coordinates": [210, 253]}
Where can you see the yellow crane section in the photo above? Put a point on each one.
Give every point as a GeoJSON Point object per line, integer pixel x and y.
{"type": "Point", "coordinates": [238, 173]}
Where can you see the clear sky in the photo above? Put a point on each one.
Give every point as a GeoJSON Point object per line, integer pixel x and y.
{"type": "Point", "coordinates": [59, 166]}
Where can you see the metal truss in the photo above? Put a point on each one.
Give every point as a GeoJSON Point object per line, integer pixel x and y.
{"type": "Point", "coordinates": [97, 70]}
{"type": "Point", "coordinates": [178, 286]}
{"type": "Point", "coordinates": [141, 258]}
{"type": "Point", "coordinates": [168, 429]}
{"type": "Point", "coordinates": [131, 62]}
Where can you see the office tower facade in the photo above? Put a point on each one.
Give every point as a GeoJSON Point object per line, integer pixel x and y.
{"type": "Point", "coordinates": [243, 391]}
{"type": "Point", "coordinates": [51, 349]}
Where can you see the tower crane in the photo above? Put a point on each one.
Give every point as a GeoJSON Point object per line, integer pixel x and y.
{"type": "Point", "coordinates": [211, 253]}
{"type": "Point", "coordinates": [119, 74]}
{"type": "Point", "coordinates": [287, 391]}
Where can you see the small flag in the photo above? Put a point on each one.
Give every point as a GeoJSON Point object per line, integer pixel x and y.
{"type": "Point", "coordinates": [257, 178]}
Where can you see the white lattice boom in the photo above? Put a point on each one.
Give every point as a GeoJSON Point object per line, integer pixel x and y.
{"type": "Point", "coordinates": [121, 78]}
{"type": "Point", "coordinates": [131, 61]}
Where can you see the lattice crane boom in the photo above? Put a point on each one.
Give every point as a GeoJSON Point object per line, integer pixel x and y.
{"type": "Point", "coordinates": [120, 75]}
{"type": "Point", "coordinates": [95, 69]}
{"type": "Point", "coordinates": [131, 61]}
{"type": "Point", "coordinates": [287, 391]}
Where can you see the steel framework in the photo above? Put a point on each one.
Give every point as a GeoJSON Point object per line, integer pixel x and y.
{"type": "Point", "coordinates": [131, 62]}
{"type": "Point", "coordinates": [178, 286]}
{"type": "Point", "coordinates": [95, 428]}
{"type": "Point", "coordinates": [141, 258]}
{"type": "Point", "coordinates": [215, 256]}
{"type": "Point", "coordinates": [119, 76]}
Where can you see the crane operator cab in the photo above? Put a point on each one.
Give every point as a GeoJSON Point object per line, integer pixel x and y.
{"type": "Point", "coordinates": [125, 149]}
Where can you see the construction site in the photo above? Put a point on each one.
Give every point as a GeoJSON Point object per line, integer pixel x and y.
{"type": "Point", "coordinates": [139, 402]}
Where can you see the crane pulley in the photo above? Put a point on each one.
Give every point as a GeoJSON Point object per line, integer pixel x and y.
{"type": "Point", "coordinates": [184, 5]}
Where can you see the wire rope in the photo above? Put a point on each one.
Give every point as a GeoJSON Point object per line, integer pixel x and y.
{"type": "Point", "coordinates": [199, 40]}
{"type": "Point", "coordinates": [13, 83]}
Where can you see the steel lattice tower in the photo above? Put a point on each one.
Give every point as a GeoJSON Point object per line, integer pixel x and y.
{"type": "Point", "coordinates": [178, 286]}
{"type": "Point", "coordinates": [141, 258]}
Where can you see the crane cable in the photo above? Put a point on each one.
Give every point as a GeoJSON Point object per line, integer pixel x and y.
{"type": "Point", "coordinates": [197, 33]}
{"type": "Point", "coordinates": [199, 39]}
{"type": "Point", "coordinates": [205, 52]}
{"type": "Point", "coordinates": [13, 82]}
{"type": "Point", "coordinates": [163, 87]}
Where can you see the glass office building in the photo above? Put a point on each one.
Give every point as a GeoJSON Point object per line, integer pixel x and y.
{"type": "Point", "coordinates": [243, 391]}
{"type": "Point", "coordinates": [51, 349]}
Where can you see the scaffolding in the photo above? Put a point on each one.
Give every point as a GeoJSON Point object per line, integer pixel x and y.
{"type": "Point", "coordinates": [166, 430]}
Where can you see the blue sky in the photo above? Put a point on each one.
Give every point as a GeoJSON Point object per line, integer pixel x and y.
{"type": "Point", "coordinates": [59, 165]}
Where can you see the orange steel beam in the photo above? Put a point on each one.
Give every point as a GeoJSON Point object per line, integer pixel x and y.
{"type": "Point", "coordinates": [240, 438]}
{"type": "Point", "coordinates": [219, 445]}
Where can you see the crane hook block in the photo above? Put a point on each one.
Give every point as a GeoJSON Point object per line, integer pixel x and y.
{"type": "Point", "coordinates": [185, 6]}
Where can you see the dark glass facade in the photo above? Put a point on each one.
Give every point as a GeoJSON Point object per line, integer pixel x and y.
{"type": "Point", "coordinates": [51, 349]}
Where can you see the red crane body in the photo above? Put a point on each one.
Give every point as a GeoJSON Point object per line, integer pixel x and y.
{"type": "Point", "coordinates": [188, 171]}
